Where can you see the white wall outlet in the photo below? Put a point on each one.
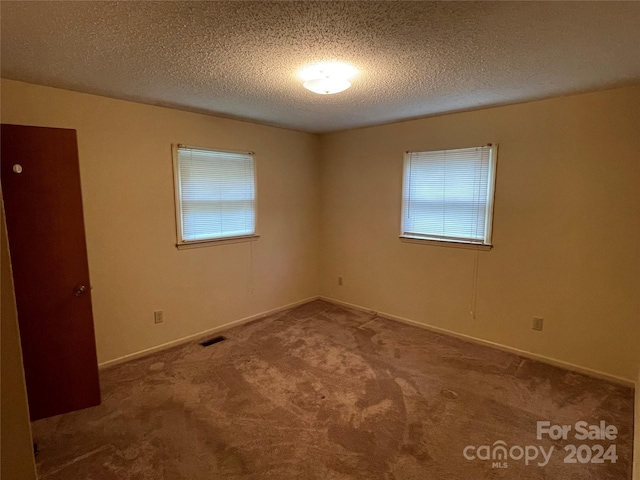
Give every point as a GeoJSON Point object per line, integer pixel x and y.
{"type": "Point", "coordinates": [158, 316]}
{"type": "Point", "coordinates": [537, 323]}
{"type": "Point", "coordinates": [340, 281]}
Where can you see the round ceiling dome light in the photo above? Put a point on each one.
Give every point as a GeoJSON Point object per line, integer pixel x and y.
{"type": "Point", "coordinates": [326, 86]}
{"type": "Point", "coordinates": [327, 77]}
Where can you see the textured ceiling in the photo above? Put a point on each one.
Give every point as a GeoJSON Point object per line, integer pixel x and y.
{"type": "Point", "coordinates": [240, 59]}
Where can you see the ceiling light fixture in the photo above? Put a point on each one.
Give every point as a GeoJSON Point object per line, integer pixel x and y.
{"type": "Point", "coordinates": [327, 77]}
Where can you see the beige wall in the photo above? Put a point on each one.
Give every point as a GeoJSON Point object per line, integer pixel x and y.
{"type": "Point", "coordinates": [16, 450]}
{"type": "Point", "coordinates": [127, 187]}
{"type": "Point", "coordinates": [566, 229]}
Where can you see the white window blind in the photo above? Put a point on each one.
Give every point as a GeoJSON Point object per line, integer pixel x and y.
{"type": "Point", "coordinates": [215, 194]}
{"type": "Point", "coordinates": [448, 195]}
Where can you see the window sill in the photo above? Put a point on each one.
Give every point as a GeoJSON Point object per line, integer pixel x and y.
{"type": "Point", "coordinates": [446, 243]}
{"type": "Point", "coordinates": [211, 243]}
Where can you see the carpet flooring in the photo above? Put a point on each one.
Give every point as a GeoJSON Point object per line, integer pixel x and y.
{"type": "Point", "coordinates": [324, 392]}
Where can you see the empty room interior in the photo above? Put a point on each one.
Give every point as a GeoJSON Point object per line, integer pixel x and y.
{"type": "Point", "coordinates": [320, 240]}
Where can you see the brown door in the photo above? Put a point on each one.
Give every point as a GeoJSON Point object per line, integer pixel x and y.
{"type": "Point", "coordinates": [43, 206]}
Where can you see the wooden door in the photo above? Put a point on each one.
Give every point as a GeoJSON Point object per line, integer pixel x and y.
{"type": "Point", "coordinates": [45, 226]}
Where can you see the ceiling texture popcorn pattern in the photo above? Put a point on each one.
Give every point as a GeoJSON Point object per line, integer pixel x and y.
{"type": "Point", "coordinates": [241, 59]}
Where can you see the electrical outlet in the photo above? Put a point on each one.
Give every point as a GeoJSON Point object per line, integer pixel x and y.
{"type": "Point", "coordinates": [537, 323]}
{"type": "Point", "coordinates": [158, 316]}
{"type": "Point", "coordinates": [340, 281]}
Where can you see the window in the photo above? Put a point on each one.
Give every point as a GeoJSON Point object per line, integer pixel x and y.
{"type": "Point", "coordinates": [215, 194]}
{"type": "Point", "coordinates": [448, 195]}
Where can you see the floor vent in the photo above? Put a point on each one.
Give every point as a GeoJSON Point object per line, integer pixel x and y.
{"type": "Point", "coordinates": [213, 340]}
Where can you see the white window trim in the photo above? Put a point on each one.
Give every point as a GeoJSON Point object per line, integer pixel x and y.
{"type": "Point", "coordinates": [180, 243]}
{"type": "Point", "coordinates": [221, 241]}
{"type": "Point", "coordinates": [450, 242]}
{"type": "Point", "coordinates": [446, 243]}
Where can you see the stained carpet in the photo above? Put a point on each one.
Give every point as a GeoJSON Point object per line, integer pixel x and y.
{"type": "Point", "coordinates": [325, 392]}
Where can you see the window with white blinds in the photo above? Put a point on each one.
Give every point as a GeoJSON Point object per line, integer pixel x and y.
{"type": "Point", "coordinates": [215, 194]}
{"type": "Point", "coordinates": [448, 195]}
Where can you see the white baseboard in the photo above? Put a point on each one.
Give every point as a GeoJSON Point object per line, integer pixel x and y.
{"type": "Point", "coordinates": [204, 333]}
{"type": "Point", "coordinates": [487, 343]}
